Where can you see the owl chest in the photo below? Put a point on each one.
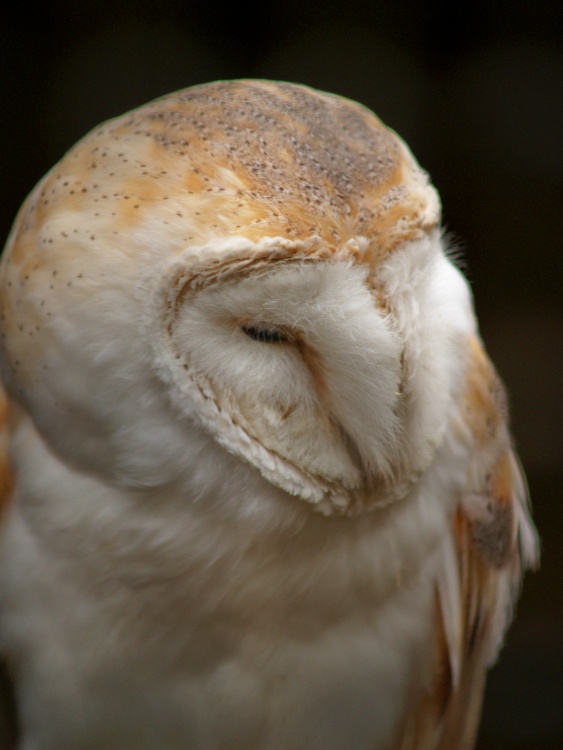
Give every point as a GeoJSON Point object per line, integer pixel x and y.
{"type": "Point", "coordinates": [291, 671]}
{"type": "Point", "coordinates": [149, 626]}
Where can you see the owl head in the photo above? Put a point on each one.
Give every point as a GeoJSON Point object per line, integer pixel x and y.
{"type": "Point", "coordinates": [244, 268]}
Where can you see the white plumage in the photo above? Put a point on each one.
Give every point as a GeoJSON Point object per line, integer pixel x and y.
{"type": "Point", "coordinates": [259, 486]}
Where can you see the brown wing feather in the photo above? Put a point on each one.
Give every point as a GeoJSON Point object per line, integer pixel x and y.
{"type": "Point", "coordinates": [493, 541]}
{"type": "Point", "coordinates": [446, 717]}
{"type": "Point", "coordinates": [8, 723]}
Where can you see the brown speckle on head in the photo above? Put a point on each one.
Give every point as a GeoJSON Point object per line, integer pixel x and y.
{"type": "Point", "coordinates": [200, 168]}
{"type": "Point", "coordinates": [261, 158]}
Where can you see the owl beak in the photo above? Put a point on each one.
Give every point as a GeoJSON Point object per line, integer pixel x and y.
{"type": "Point", "coordinates": [354, 453]}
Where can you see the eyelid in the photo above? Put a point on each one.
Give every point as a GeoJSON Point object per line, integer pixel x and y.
{"type": "Point", "coordinates": [265, 335]}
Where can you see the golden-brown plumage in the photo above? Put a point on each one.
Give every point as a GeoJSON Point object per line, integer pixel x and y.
{"type": "Point", "coordinates": [494, 543]}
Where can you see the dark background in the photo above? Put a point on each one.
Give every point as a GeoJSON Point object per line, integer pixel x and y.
{"type": "Point", "coordinates": [476, 89]}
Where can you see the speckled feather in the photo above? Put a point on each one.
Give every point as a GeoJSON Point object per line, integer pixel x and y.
{"type": "Point", "coordinates": [178, 208]}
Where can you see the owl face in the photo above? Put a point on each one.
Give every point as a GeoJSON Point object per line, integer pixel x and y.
{"type": "Point", "coordinates": [274, 366]}
{"type": "Point", "coordinates": [296, 364]}
{"type": "Point", "coordinates": [217, 268]}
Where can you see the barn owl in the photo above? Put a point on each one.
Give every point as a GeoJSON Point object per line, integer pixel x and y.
{"type": "Point", "coordinates": [258, 484]}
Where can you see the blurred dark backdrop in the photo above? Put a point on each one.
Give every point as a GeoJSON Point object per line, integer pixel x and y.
{"type": "Point", "coordinates": [476, 89]}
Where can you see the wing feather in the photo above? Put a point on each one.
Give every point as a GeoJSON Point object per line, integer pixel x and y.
{"type": "Point", "coordinates": [492, 542]}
